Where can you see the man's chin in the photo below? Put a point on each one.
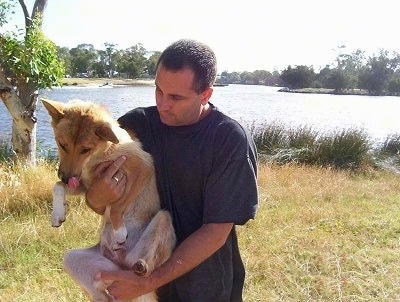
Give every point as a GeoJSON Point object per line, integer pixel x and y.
{"type": "Point", "coordinates": [167, 121]}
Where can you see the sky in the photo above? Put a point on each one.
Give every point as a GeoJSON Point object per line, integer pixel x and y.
{"type": "Point", "coordinates": [245, 35]}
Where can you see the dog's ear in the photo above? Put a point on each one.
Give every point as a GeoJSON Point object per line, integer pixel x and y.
{"type": "Point", "coordinates": [55, 109]}
{"type": "Point", "coordinates": [105, 132]}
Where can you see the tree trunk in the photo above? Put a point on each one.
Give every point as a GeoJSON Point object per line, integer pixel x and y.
{"type": "Point", "coordinates": [21, 102]}
{"type": "Point", "coordinates": [22, 109]}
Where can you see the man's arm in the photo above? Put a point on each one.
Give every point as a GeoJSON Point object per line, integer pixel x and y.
{"type": "Point", "coordinates": [189, 254]}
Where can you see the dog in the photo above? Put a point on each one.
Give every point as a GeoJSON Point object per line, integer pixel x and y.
{"type": "Point", "coordinates": [136, 233]}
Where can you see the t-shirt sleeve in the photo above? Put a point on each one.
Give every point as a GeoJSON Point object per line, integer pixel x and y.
{"type": "Point", "coordinates": [133, 120]}
{"type": "Point", "coordinates": [231, 193]}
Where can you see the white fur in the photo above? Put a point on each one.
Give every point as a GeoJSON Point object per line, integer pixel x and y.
{"type": "Point", "coordinates": [59, 202]}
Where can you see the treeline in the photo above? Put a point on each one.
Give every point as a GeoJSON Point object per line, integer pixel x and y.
{"type": "Point", "coordinates": [378, 74]}
{"type": "Point", "coordinates": [86, 61]}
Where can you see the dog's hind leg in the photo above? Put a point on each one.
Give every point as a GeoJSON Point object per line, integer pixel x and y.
{"type": "Point", "coordinates": [83, 265]}
{"type": "Point", "coordinates": [155, 245]}
{"type": "Point", "coordinates": [58, 211]}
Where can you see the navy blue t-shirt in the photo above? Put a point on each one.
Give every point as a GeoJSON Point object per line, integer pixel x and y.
{"type": "Point", "coordinates": [206, 173]}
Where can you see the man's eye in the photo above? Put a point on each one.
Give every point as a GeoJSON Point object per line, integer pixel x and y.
{"type": "Point", "coordinates": [176, 97]}
{"type": "Point", "coordinates": [85, 150]}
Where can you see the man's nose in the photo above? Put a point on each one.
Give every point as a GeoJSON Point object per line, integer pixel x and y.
{"type": "Point", "coordinates": [163, 103]}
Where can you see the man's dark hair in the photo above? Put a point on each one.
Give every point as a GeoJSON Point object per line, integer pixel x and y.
{"type": "Point", "coordinates": [194, 55]}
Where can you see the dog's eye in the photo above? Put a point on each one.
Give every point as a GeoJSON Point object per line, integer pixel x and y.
{"type": "Point", "coordinates": [85, 150]}
{"type": "Point", "coordinates": [62, 147]}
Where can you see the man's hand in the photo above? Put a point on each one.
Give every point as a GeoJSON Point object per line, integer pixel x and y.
{"type": "Point", "coordinates": [191, 252]}
{"type": "Point", "coordinates": [126, 285]}
{"type": "Point", "coordinates": [107, 186]}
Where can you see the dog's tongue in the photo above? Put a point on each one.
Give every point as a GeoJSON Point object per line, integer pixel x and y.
{"type": "Point", "coordinates": [73, 183]}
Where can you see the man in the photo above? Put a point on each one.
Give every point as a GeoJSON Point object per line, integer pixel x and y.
{"type": "Point", "coordinates": [206, 168]}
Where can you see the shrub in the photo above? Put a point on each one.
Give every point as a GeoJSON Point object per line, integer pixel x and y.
{"type": "Point", "coordinates": [6, 152]}
{"type": "Point", "coordinates": [269, 137]}
{"type": "Point", "coordinates": [391, 145]}
{"type": "Point", "coordinates": [302, 137]}
{"type": "Point", "coordinates": [347, 148]}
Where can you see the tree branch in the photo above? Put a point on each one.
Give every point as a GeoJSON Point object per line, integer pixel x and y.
{"type": "Point", "coordinates": [38, 7]}
{"type": "Point", "coordinates": [28, 20]}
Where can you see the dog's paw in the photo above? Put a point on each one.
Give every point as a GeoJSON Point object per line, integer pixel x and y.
{"type": "Point", "coordinates": [57, 221]}
{"type": "Point", "coordinates": [140, 267]}
{"type": "Point", "coordinates": [57, 218]}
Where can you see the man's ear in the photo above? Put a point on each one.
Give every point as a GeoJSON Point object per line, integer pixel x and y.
{"type": "Point", "coordinates": [105, 132]}
{"type": "Point", "coordinates": [206, 95]}
{"type": "Point", "coordinates": [55, 109]}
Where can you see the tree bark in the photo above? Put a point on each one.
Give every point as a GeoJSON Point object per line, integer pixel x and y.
{"type": "Point", "coordinates": [23, 120]}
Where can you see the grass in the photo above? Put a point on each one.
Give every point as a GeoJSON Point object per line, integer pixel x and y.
{"type": "Point", "coordinates": [320, 235]}
{"type": "Point", "coordinates": [323, 235]}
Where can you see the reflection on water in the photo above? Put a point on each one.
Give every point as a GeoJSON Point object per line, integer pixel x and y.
{"type": "Point", "coordinates": [249, 104]}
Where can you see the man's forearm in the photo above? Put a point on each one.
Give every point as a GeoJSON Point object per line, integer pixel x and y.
{"type": "Point", "coordinates": [98, 210]}
{"type": "Point", "coordinates": [191, 252]}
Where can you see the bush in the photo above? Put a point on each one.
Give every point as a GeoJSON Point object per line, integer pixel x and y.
{"type": "Point", "coordinates": [44, 155]}
{"type": "Point", "coordinates": [348, 148]}
{"type": "Point", "coordinates": [391, 145]}
{"type": "Point", "coordinates": [269, 137]}
{"type": "Point", "coordinates": [6, 153]}
{"type": "Point", "coordinates": [302, 137]}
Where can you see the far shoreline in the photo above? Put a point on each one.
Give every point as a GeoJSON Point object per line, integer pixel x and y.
{"type": "Point", "coordinates": [325, 91]}
{"type": "Point", "coordinates": [115, 82]}
{"type": "Point", "coordinates": [100, 82]}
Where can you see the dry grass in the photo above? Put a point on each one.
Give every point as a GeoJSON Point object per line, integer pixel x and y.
{"type": "Point", "coordinates": [320, 235]}
{"type": "Point", "coordinates": [323, 235]}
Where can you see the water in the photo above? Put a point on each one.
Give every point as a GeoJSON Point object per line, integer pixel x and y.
{"type": "Point", "coordinates": [378, 116]}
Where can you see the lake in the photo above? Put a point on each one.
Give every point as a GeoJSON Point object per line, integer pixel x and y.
{"type": "Point", "coordinates": [378, 116]}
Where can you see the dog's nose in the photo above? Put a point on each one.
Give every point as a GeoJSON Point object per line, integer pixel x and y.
{"type": "Point", "coordinates": [62, 177]}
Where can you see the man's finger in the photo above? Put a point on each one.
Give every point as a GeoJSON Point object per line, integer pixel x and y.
{"type": "Point", "coordinates": [106, 276]}
{"type": "Point", "coordinates": [114, 167]}
{"type": "Point", "coordinates": [100, 168]}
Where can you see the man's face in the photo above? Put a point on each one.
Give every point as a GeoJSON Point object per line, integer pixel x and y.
{"type": "Point", "coordinates": [177, 102]}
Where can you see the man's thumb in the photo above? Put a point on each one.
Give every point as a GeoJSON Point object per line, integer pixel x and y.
{"type": "Point", "coordinates": [104, 276]}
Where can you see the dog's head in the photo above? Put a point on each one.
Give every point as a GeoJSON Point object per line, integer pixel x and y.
{"type": "Point", "coordinates": [82, 130]}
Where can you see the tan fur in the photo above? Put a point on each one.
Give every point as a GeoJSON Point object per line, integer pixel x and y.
{"type": "Point", "coordinates": [86, 135]}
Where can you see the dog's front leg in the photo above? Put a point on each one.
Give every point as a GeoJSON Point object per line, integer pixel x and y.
{"type": "Point", "coordinates": [120, 232]}
{"type": "Point", "coordinates": [58, 211]}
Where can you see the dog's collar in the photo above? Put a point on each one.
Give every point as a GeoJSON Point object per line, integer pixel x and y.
{"type": "Point", "coordinates": [110, 150]}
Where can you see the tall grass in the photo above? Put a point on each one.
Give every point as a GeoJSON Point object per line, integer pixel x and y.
{"type": "Point", "coordinates": [343, 149]}
{"type": "Point", "coordinates": [320, 235]}
{"type": "Point", "coordinates": [391, 145]}
{"type": "Point", "coordinates": [5, 151]}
